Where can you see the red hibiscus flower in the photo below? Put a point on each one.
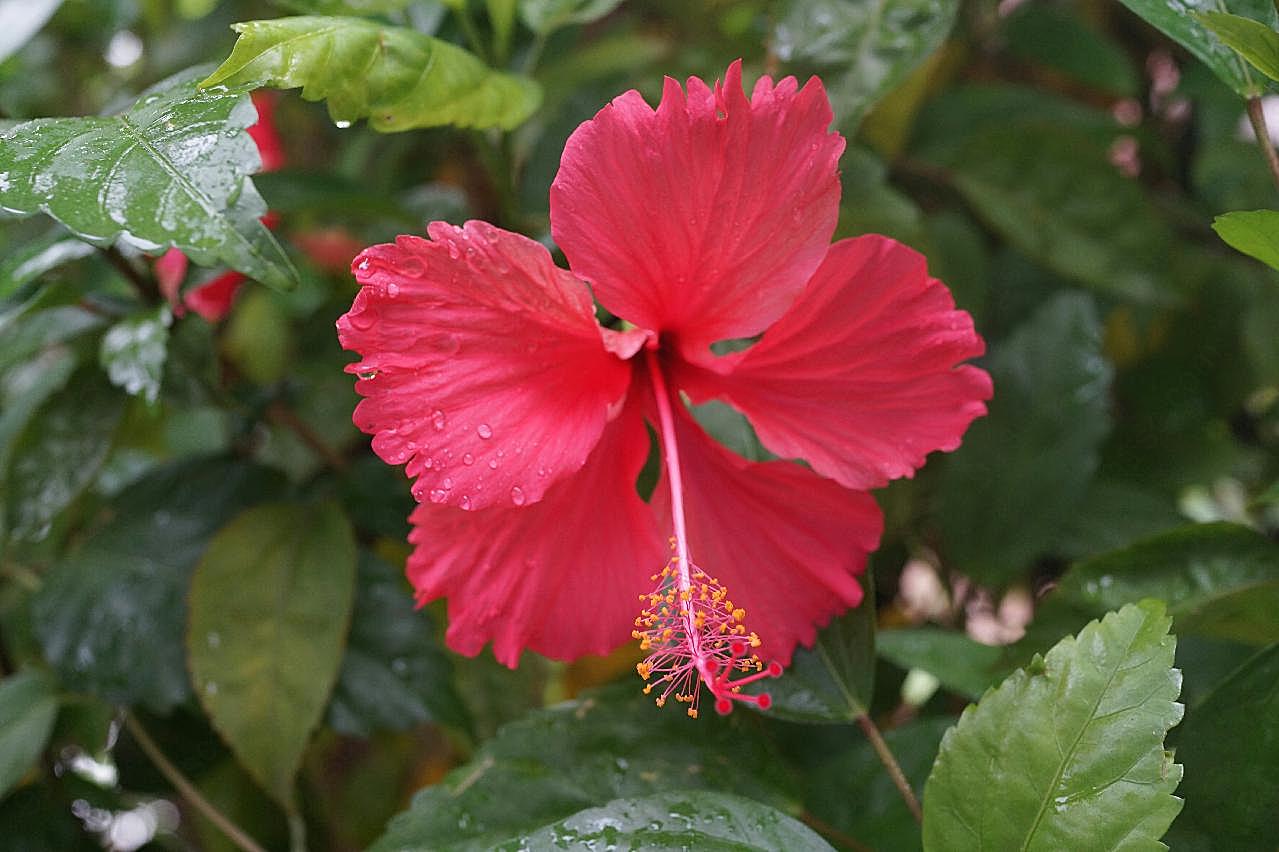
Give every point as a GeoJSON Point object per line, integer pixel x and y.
{"type": "Point", "coordinates": [212, 300]}
{"type": "Point", "coordinates": [523, 423]}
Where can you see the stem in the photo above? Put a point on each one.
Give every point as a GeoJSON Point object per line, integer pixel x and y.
{"type": "Point", "coordinates": [280, 414]}
{"type": "Point", "coordinates": [144, 284]}
{"type": "Point", "coordinates": [890, 763]}
{"type": "Point", "coordinates": [188, 790]}
{"type": "Point", "coordinates": [1257, 115]}
{"type": "Point", "coordinates": [820, 825]}
{"type": "Point", "coordinates": [670, 457]}
{"type": "Point", "coordinates": [297, 832]}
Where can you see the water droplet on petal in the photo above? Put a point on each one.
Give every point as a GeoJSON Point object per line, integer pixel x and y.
{"type": "Point", "coordinates": [517, 495]}
{"type": "Point", "coordinates": [466, 502]}
{"type": "Point", "coordinates": [468, 459]}
{"type": "Point", "coordinates": [484, 431]}
{"type": "Point", "coordinates": [437, 495]}
{"type": "Point", "coordinates": [448, 482]}
{"type": "Point", "coordinates": [437, 420]}
{"type": "Point", "coordinates": [392, 290]}
{"type": "Point", "coordinates": [492, 464]}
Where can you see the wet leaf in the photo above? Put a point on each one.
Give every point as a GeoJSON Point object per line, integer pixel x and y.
{"type": "Point", "coordinates": [1230, 748]}
{"type": "Point", "coordinates": [395, 673]}
{"type": "Point", "coordinates": [133, 352]}
{"type": "Point", "coordinates": [397, 78]}
{"type": "Point", "coordinates": [1180, 21]}
{"type": "Point", "coordinates": [674, 821]}
{"type": "Point", "coordinates": [171, 171]}
{"type": "Point", "coordinates": [58, 454]}
{"type": "Point", "coordinates": [1009, 494]}
{"type": "Point", "coordinates": [833, 680]}
{"type": "Point", "coordinates": [28, 706]}
{"type": "Point", "coordinates": [862, 50]}
{"type": "Point", "coordinates": [1070, 751]}
{"type": "Point", "coordinates": [111, 613]}
{"type": "Point", "coordinates": [269, 607]}
{"type": "Point", "coordinates": [34, 259]}
{"type": "Point", "coordinates": [582, 754]}
{"type": "Point", "coordinates": [1253, 232]}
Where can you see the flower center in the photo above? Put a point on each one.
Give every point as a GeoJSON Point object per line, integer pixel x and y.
{"type": "Point", "coordinates": [691, 629]}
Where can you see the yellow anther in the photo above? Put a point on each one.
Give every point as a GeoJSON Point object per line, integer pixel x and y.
{"type": "Point", "coordinates": [692, 712]}
{"type": "Point", "coordinates": [739, 614]}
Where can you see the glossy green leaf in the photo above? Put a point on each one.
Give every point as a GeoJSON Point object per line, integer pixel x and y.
{"type": "Point", "coordinates": [1179, 20]}
{"type": "Point", "coordinates": [133, 352]}
{"type": "Point", "coordinates": [962, 664]}
{"type": "Point", "coordinates": [1230, 748]}
{"type": "Point", "coordinates": [1052, 193]}
{"type": "Point", "coordinates": [833, 680]}
{"type": "Point", "coordinates": [1219, 580]}
{"type": "Point", "coordinates": [269, 606]}
{"type": "Point", "coordinates": [344, 7]}
{"type": "Point", "coordinates": [1253, 232]}
{"type": "Point", "coordinates": [28, 706]}
{"type": "Point", "coordinates": [581, 754]}
{"type": "Point", "coordinates": [546, 16]}
{"type": "Point", "coordinates": [395, 674]}
{"type": "Point", "coordinates": [58, 454]}
{"type": "Point", "coordinates": [1068, 753]}
{"type": "Point", "coordinates": [861, 49]}
{"type": "Point", "coordinates": [171, 171]}
{"type": "Point", "coordinates": [1253, 40]}
{"type": "Point", "coordinates": [397, 78]}
{"type": "Point", "coordinates": [118, 598]}
{"type": "Point", "coordinates": [691, 819]}
{"type": "Point", "coordinates": [1008, 494]}
{"type": "Point", "coordinates": [20, 20]}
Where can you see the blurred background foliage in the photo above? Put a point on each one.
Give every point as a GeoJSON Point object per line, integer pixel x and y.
{"type": "Point", "coordinates": [1059, 163]}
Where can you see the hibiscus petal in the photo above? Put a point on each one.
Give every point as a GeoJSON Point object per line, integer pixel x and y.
{"type": "Point", "coordinates": [483, 368]}
{"type": "Point", "coordinates": [787, 544]}
{"type": "Point", "coordinates": [706, 216]}
{"type": "Point", "coordinates": [859, 378]}
{"type": "Point", "coordinates": [562, 577]}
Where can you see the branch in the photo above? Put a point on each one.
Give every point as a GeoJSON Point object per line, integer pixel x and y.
{"type": "Point", "coordinates": [1257, 115]}
{"type": "Point", "coordinates": [188, 790]}
{"type": "Point", "coordinates": [890, 763]}
{"type": "Point", "coordinates": [144, 284]}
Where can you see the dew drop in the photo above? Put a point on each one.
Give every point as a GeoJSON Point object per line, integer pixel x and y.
{"type": "Point", "coordinates": [341, 125]}
{"type": "Point", "coordinates": [437, 420]}
{"type": "Point", "coordinates": [492, 464]}
{"type": "Point", "coordinates": [468, 459]}
{"type": "Point", "coordinates": [437, 495]}
{"type": "Point", "coordinates": [363, 264]}
{"type": "Point", "coordinates": [484, 431]}
{"type": "Point", "coordinates": [214, 639]}
{"type": "Point", "coordinates": [517, 495]}
{"type": "Point", "coordinates": [366, 374]}
{"type": "Point", "coordinates": [392, 290]}
{"type": "Point", "coordinates": [448, 482]}
{"type": "Point", "coordinates": [466, 502]}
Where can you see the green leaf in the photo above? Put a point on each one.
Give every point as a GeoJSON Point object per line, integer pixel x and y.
{"type": "Point", "coordinates": [963, 665]}
{"type": "Point", "coordinates": [28, 706]}
{"type": "Point", "coordinates": [1230, 748]}
{"type": "Point", "coordinates": [171, 171]}
{"type": "Point", "coordinates": [119, 596]}
{"type": "Point", "coordinates": [58, 454]}
{"type": "Point", "coordinates": [269, 607]}
{"type": "Point", "coordinates": [862, 50]}
{"type": "Point", "coordinates": [344, 7]}
{"type": "Point", "coordinates": [545, 16]}
{"type": "Point", "coordinates": [675, 821]}
{"type": "Point", "coordinates": [397, 78]}
{"type": "Point", "coordinates": [1253, 40]}
{"type": "Point", "coordinates": [34, 259]}
{"type": "Point", "coordinates": [395, 674]}
{"type": "Point", "coordinates": [845, 784]}
{"type": "Point", "coordinates": [22, 19]}
{"type": "Point", "coordinates": [1253, 232]}
{"type": "Point", "coordinates": [1219, 580]}
{"type": "Point", "coordinates": [1069, 752]}
{"type": "Point", "coordinates": [1058, 37]}
{"type": "Point", "coordinates": [1051, 192]}
{"type": "Point", "coordinates": [133, 352]}
{"type": "Point", "coordinates": [1010, 492]}
{"type": "Point", "coordinates": [1180, 20]}
{"type": "Point", "coordinates": [833, 680]}
{"type": "Point", "coordinates": [608, 745]}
